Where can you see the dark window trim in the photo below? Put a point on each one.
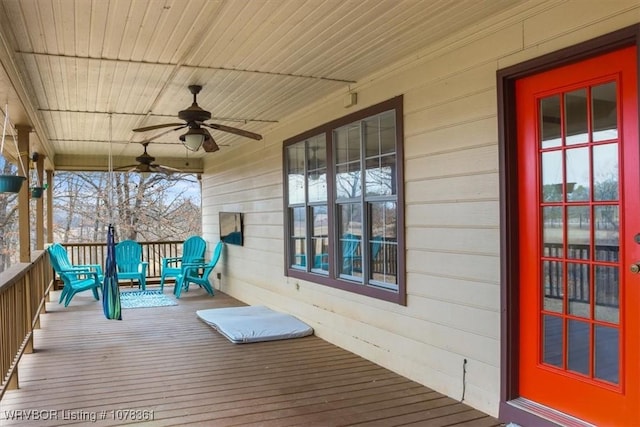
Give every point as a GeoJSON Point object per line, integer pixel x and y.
{"type": "Point", "coordinates": [510, 411]}
{"type": "Point", "coordinates": [400, 296]}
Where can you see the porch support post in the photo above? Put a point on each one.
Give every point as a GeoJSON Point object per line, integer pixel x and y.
{"type": "Point", "coordinates": [40, 205]}
{"type": "Point", "coordinates": [50, 206]}
{"type": "Point", "coordinates": [23, 196]}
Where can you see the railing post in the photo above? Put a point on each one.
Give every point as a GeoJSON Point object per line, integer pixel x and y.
{"type": "Point", "coordinates": [13, 380]}
{"type": "Point", "coordinates": [28, 317]}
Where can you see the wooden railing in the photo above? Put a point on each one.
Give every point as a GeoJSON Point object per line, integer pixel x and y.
{"type": "Point", "coordinates": [24, 288]}
{"type": "Point", "coordinates": [152, 252]}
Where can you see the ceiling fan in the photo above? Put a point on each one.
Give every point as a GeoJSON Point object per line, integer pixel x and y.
{"type": "Point", "coordinates": [195, 118]}
{"type": "Point", "coordinates": [146, 164]}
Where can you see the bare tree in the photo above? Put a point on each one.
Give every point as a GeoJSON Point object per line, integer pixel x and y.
{"type": "Point", "coordinates": [8, 221]}
{"type": "Point", "coordinates": [146, 207]}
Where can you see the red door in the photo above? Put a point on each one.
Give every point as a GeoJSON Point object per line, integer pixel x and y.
{"type": "Point", "coordinates": [579, 215]}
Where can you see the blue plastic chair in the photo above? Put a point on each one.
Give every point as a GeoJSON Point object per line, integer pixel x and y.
{"type": "Point", "coordinates": [76, 278]}
{"type": "Point", "coordinates": [351, 257]}
{"type": "Point", "coordinates": [198, 273]}
{"type": "Point", "coordinates": [129, 263]}
{"type": "Point", "coordinates": [193, 250]}
{"type": "Point", "coordinates": [321, 261]}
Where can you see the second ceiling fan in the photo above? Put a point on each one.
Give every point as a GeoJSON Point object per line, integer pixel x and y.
{"type": "Point", "coordinates": [195, 120]}
{"type": "Point", "coordinates": [146, 163]}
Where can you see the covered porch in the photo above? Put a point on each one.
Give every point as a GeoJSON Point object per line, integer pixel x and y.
{"type": "Point", "coordinates": [434, 134]}
{"type": "Point", "coordinates": [164, 366]}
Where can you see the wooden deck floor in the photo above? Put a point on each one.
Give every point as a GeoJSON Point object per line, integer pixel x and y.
{"type": "Point", "coordinates": [165, 365]}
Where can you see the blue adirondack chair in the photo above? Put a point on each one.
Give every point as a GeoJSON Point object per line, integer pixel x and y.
{"type": "Point", "coordinates": [129, 263]}
{"type": "Point", "coordinates": [351, 257]}
{"type": "Point", "coordinates": [76, 278]}
{"type": "Point", "coordinates": [193, 250]}
{"type": "Point", "coordinates": [321, 261]}
{"type": "Point", "coordinates": [198, 273]}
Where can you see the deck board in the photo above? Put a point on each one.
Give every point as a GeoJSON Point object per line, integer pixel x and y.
{"type": "Point", "coordinates": [165, 360]}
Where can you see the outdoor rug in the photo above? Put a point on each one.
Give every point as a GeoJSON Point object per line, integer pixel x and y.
{"type": "Point", "coordinates": [142, 299]}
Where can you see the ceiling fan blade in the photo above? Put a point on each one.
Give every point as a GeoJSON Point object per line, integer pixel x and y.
{"type": "Point", "coordinates": [236, 131]}
{"type": "Point", "coordinates": [209, 145]}
{"type": "Point", "coordinates": [158, 135]}
{"type": "Point", "coordinates": [166, 169]}
{"type": "Point", "coordinates": [152, 127]}
{"type": "Point", "coordinates": [127, 168]}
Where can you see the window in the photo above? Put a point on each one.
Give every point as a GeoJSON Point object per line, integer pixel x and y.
{"type": "Point", "coordinates": [344, 203]}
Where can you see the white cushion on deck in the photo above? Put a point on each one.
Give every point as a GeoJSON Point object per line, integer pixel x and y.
{"type": "Point", "coordinates": [254, 323]}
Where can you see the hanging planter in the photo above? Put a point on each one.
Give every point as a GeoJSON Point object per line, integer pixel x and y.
{"type": "Point", "coordinates": [36, 192]}
{"type": "Point", "coordinates": [11, 183]}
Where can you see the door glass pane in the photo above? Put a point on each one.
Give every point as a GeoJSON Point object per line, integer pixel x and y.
{"type": "Point", "coordinates": [553, 286]}
{"type": "Point", "coordinates": [605, 112]}
{"type": "Point", "coordinates": [298, 239]}
{"type": "Point", "coordinates": [578, 346]}
{"type": "Point", "coordinates": [550, 122]}
{"type": "Point", "coordinates": [607, 360]}
{"type": "Point", "coordinates": [578, 232]}
{"type": "Point", "coordinates": [578, 174]}
{"type": "Point", "coordinates": [576, 125]}
{"type": "Point", "coordinates": [607, 291]}
{"type": "Point", "coordinates": [605, 171]}
{"type": "Point", "coordinates": [552, 339]}
{"type": "Point", "coordinates": [578, 288]}
{"type": "Point", "coordinates": [553, 236]}
{"type": "Point", "coordinates": [552, 176]}
{"type": "Point", "coordinates": [607, 233]}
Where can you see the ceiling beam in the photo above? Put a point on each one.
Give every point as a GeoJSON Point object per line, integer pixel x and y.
{"type": "Point", "coordinates": [95, 163]}
{"type": "Point", "coordinates": [195, 67]}
{"type": "Point", "coordinates": [222, 119]}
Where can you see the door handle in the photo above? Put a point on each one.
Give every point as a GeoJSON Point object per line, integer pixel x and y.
{"type": "Point", "coordinates": [635, 268]}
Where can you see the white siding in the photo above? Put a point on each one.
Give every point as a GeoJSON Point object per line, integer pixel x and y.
{"type": "Point", "coordinates": [452, 205]}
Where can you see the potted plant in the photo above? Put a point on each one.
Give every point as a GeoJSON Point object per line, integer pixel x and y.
{"type": "Point", "coordinates": [36, 192]}
{"type": "Point", "coordinates": [11, 183]}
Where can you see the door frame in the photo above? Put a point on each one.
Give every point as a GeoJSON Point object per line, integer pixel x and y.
{"type": "Point", "coordinates": [514, 408]}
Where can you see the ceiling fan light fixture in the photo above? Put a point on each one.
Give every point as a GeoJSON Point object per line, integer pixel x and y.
{"type": "Point", "coordinates": [193, 139]}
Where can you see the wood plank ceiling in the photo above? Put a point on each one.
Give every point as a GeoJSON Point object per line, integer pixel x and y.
{"type": "Point", "coordinates": [84, 73]}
